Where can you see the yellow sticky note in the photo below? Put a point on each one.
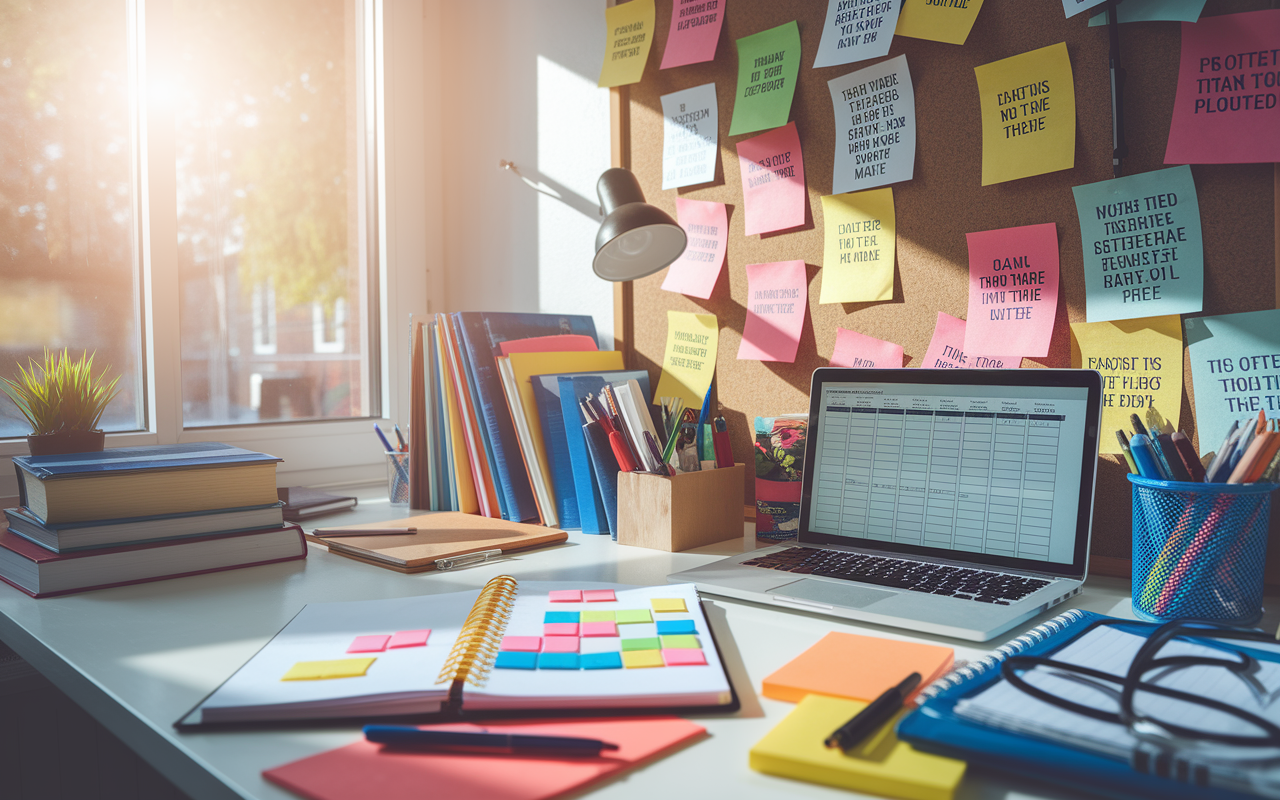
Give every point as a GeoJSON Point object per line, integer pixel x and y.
{"type": "Point", "coordinates": [628, 37]}
{"type": "Point", "coordinates": [1028, 114]}
{"type": "Point", "coordinates": [326, 670]}
{"type": "Point", "coordinates": [597, 616]}
{"type": "Point", "coordinates": [937, 22]}
{"type": "Point", "coordinates": [639, 659]}
{"type": "Point", "coordinates": [1141, 365]}
{"type": "Point", "coordinates": [666, 605]}
{"type": "Point", "coordinates": [689, 362]}
{"type": "Point", "coordinates": [859, 246]}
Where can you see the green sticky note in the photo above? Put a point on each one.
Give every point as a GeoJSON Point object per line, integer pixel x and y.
{"type": "Point", "coordinates": [647, 643]}
{"type": "Point", "coordinates": [598, 616]}
{"type": "Point", "coordinates": [768, 63]}
{"type": "Point", "coordinates": [681, 642]}
{"type": "Point", "coordinates": [632, 615]}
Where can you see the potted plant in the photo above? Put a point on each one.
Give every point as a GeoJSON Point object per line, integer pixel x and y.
{"type": "Point", "coordinates": [63, 402]}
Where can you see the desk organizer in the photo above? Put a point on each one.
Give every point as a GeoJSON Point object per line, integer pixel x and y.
{"type": "Point", "coordinates": [1199, 549]}
{"type": "Point", "coordinates": [680, 512]}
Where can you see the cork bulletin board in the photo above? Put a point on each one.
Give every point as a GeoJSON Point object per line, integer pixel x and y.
{"type": "Point", "coordinates": [944, 201]}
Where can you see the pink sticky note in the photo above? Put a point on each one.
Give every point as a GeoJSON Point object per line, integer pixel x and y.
{"type": "Point", "coordinates": [560, 644]}
{"type": "Point", "coordinates": [565, 596]}
{"type": "Point", "coordinates": [369, 644]}
{"type": "Point", "coordinates": [695, 29]}
{"type": "Point", "coordinates": [946, 349]}
{"type": "Point", "coordinates": [773, 193]}
{"type": "Point", "coordinates": [697, 269]}
{"type": "Point", "coordinates": [1013, 290]}
{"type": "Point", "coordinates": [776, 296]}
{"type": "Point", "coordinates": [560, 629]}
{"type": "Point", "coordinates": [855, 349]}
{"type": "Point", "coordinates": [409, 639]}
{"type": "Point", "coordinates": [683, 658]}
{"type": "Point", "coordinates": [1226, 109]}
{"type": "Point", "coordinates": [599, 629]}
{"type": "Point", "coordinates": [522, 644]}
{"type": "Point", "coordinates": [599, 596]}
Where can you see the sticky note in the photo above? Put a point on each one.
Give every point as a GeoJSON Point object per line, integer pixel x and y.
{"type": "Point", "coordinates": [645, 643]}
{"type": "Point", "coordinates": [1227, 108]}
{"type": "Point", "coordinates": [641, 659]}
{"type": "Point", "coordinates": [564, 596]}
{"type": "Point", "coordinates": [856, 31]}
{"type": "Point", "coordinates": [560, 644]}
{"type": "Point", "coordinates": [559, 629]}
{"type": "Point", "coordinates": [768, 63]}
{"type": "Point", "coordinates": [1141, 365]}
{"type": "Point", "coordinates": [561, 616]}
{"type": "Point", "coordinates": [946, 349]}
{"type": "Point", "coordinates": [600, 628]}
{"type": "Point", "coordinates": [681, 642]}
{"type": "Point", "coordinates": [522, 643]}
{"type": "Point", "coordinates": [628, 37]}
{"type": "Point", "coordinates": [695, 30]}
{"type": "Point", "coordinates": [1028, 115]}
{"type": "Point", "coordinates": [939, 22]}
{"type": "Point", "coordinates": [689, 360]}
{"type": "Point", "coordinates": [1013, 290]}
{"type": "Point", "coordinates": [689, 135]}
{"type": "Point", "coordinates": [508, 659]}
{"type": "Point", "coordinates": [696, 271]}
{"type": "Point", "coordinates": [855, 349]}
{"type": "Point", "coordinates": [859, 233]}
{"type": "Point", "coordinates": [1152, 11]}
{"type": "Point", "coordinates": [328, 670]}
{"type": "Point", "coordinates": [628, 616]}
{"type": "Point", "coordinates": [1073, 7]}
{"type": "Point", "coordinates": [875, 119]}
{"type": "Point", "coordinates": [369, 644]}
{"type": "Point", "coordinates": [611, 660]}
{"type": "Point", "coordinates": [674, 627]}
{"type": "Point", "coordinates": [1143, 250]}
{"type": "Point", "coordinates": [597, 616]}
{"type": "Point", "coordinates": [409, 639]}
{"type": "Point", "coordinates": [772, 170]}
{"type": "Point", "coordinates": [684, 658]}
{"type": "Point", "coordinates": [667, 605]}
{"type": "Point", "coordinates": [599, 596]}
{"type": "Point", "coordinates": [1235, 369]}
{"type": "Point", "coordinates": [557, 660]}
{"type": "Point", "coordinates": [777, 294]}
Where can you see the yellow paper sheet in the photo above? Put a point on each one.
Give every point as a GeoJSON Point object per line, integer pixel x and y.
{"type": "Point", "coordinates": [327, 670]}
{"type": "Point", "coordinates": [468, 503]}
{"type": "Point", "coordinates": [1028, 114]}
{"type": "Point", "coordinates": [858, 248]}
{"type": "Point", "coordinates": [689, 361]}
{"type": "Point", "coordinates": [1141, 365]}
{"type": "Point", "coordinates": [948, 23]}
{"type": "Point", "coordinates": [628, 37]}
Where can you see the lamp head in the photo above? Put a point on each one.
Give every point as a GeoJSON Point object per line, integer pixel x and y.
{"type": "Point", "coordinates": [635, 239]}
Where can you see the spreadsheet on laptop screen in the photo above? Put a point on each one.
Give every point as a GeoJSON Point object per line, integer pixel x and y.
{"type": "Point", "coordinates": [982, 469]}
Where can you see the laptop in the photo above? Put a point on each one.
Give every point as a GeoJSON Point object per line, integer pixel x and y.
{"type": "Point", "coordinates": [954, 502]}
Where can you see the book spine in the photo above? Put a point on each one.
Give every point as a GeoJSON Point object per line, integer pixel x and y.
{"type": "Point", "coordinates": [476, 647]}
{"type": "Point", "coordinates": [499, 500]}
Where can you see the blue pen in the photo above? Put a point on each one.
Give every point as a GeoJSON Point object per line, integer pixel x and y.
{"type": "Point", "coordinates": [1144, 457]}
{"type": "Point", "coordinates": [400, 470]}
{"type": "Point", "coordinates": [483, 741]}
{"type": "Point", "coordinates": [703, 416]}
{"type": "Point", "coordinates": [400, 438]}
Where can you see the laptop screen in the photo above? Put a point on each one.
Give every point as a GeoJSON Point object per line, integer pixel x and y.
{"type": "Point", "coordinates": [993, 467]}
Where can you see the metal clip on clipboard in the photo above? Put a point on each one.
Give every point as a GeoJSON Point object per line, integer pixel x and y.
{"type": "Point", "coordinates": [468, 559]}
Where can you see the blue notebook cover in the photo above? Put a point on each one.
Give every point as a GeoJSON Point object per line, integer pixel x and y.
{"type": "Point", "coordinates": [117, 460]}
{"type": "Point", "coordinates": [605, 468]}
{"type": "Point", "coordinates": [469, 375]}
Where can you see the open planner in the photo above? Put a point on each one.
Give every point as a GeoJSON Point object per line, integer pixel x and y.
{"type": "Point", "coordinates": [510, 647]}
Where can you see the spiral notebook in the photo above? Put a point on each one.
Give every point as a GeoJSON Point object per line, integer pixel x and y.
{"type": "Point", "coordinates": [534, 647]}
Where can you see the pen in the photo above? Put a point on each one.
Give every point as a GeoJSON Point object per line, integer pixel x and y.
{"type": "Point", "coordinates": [877, 713]}
{"type": "Point", "coordinates": [1138, 427]}
{"type": "Point", "coordinates": [657, 454]}
{"type": "Point", "coordinates": [1188, 455]}
{"type": "Point", "coordinates": [483, 742]}
{"type": "Point", "coordinates": [1124, 448]}
{"type": "Point", "coordinates": [1144, 458]}
{"type": "Point", "coordinates": [382, 437]}
{"type": "Point", "coordinates": [336, 532]}
{"type": "Point", "coordinates": [400, 438]}
{"type": "Point", "coordinates": [1170, 459]}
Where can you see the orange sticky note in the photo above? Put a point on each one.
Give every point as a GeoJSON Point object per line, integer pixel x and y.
{"type": "Point", "coordinates": [856, 667]}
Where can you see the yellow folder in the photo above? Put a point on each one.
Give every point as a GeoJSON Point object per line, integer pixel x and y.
{"type": "Point", "coordinates": [467, 500]}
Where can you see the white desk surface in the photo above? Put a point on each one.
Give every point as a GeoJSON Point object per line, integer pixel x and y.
{"type": "Point", "coordinates": [138, 657]}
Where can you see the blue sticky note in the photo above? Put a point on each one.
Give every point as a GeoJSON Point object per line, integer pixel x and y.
{"type": "Point", "coordinates": [675, 627]}
{"type": "Point", "coordinates": [1143, 251]}
{"type": "Point", "coordinates": [1152, 11]}
{"type": "Point", "coordinates": [560, 616]}
{"type": "Point", "coordinates": [1235, 361]}
{"type": "Point", "coordinates": [557, 660]}
{"type": "Point", "coordinates": [601, 660]}
{"type": "Point", "coordinates": [510, 659]}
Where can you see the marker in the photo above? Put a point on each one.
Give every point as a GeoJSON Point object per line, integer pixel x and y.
{"type": "Point", "coordinates": [1138, 427]}
{"type": "Point", "coordinates": [1144, 458]}
{"type": "Point", "coordinates": [1169, 458]}
{"type": "Point", "coordinates": [877, 713]}
{"type": "Point", "coordinates": [483, 741]}
{"type": "Point", "coordinates": [1128, 456]}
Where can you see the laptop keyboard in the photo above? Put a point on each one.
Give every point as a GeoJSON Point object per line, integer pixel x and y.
{"type": "Point", "coordinates": [916, 576]}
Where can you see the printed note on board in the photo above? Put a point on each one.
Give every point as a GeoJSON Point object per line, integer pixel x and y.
{"type": "Point", "coordinates": [856, 30]}
{"type": "Point", "coordinates": [875, 111]}
{"type": "Point", "coordinates": [695, 29]}
{"type": "Point", "coordinates": [772, 170]}
{"type": "Point", "coordinates": [689, 360]}
{"type": "Point", "coordinates": [1227, 108]}
{"type": "Point", "coordinates": [777, 294]}
{"type": "Point", "coordinates": [1073, 7]}
{"type": "Point", "coordinates": [1141, 365]}
{"type": "Point", "coordinates": [855, 349]}
{"type": "Point", "coordinates": [1013, 290]}
{"type": "Point", "coordinates": [1143, 255]}
{"type": "Point", "coordinates": [628, 37]}
{"type": "Point", "coordinates": [859, 243]}
{"type": "Point", "coordinates": [1028, 114]}
{"type": "Point", "coordinates": [696, 270]}
{"type": "Point", "coordinates": [1152, 11]}
{"type": "Point", "coordinates": [946, 349]}
{"type": "Point", "coordinates": [1235, 370]}
{"type": "Point", "coordinates": [768, 63]}
{"type": "Point", "coordinates": [689, 136]}
{"type": "Point", "coordinates": [938, 22]}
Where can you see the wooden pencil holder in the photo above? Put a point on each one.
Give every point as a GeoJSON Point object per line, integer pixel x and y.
{"type": "Point", "coordinates": [681, 512]}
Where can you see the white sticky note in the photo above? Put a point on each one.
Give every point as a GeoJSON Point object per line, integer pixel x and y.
{"type": "Point", "coordinates": [689, 131]}
{"type": "Point", "coordinates": [856, 30]}
{"type": "Point", "coordinates": [875, 113]}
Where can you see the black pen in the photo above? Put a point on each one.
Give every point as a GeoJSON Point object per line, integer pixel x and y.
{"type": "Point", "coordinates": [877, 713]}
{"type": "Point", "coordinates": [483, 742]}
{"type": "Point", "coordinates": [1138, 427]}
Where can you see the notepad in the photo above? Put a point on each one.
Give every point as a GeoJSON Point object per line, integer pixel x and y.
{"type": "Point", "coordinates": [856, 667]}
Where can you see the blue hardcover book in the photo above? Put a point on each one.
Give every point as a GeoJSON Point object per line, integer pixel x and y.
{"type": "Point", "coordinates": [469, 375]}
{"type": "Point", "coordinates": [605, 468]}
{"type": "Point", "coordinates": [481, 334]}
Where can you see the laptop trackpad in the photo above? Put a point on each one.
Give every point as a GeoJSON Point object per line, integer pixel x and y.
{"type": "Point", "coordinates": [849, 595]}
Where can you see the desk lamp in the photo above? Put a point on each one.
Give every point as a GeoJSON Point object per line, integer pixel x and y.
{"type": "Point", "coordinates": [635, 239]}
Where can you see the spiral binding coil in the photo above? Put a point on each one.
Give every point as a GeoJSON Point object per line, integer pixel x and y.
{"type": "Point", "coordinates": [472, 656]}
{"type": "Point", "coordinates": [1011, 648]}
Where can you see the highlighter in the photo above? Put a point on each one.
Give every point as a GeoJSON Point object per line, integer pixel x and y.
{"type": "Point", "coordinates": [1144, 457]}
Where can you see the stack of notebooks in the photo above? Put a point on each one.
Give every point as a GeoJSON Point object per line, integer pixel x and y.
{"type": "Point", "coordinates": [132, 514]}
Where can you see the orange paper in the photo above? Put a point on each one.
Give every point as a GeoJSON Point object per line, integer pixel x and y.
{"type": "Point", "coordinates": [856, 667]}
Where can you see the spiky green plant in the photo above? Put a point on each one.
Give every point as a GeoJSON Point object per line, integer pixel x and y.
{"type": "Point", "coordinates": [60, 394]}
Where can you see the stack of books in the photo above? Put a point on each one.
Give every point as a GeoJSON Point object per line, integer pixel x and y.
{"type": "Point", "coordinates": [132, 514]}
